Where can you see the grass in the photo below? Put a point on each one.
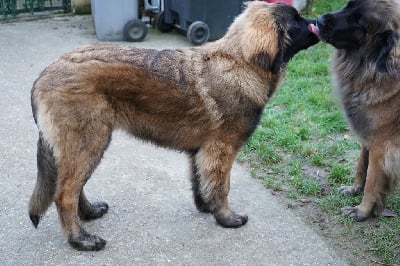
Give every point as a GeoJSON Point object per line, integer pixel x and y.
{"type": "Point", "coordinates": [303, 148]}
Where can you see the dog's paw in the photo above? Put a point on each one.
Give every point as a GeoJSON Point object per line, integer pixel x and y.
{"type": "Point", "coordinates": [354, 213]}
{"type": "Point", "coordinates": [388, 213]}
{"type": "Point", "coordinates": [87, 242]}
{"type": "Point", "coordinates": [231, 221]}
{"type": "Point", "coordinates": [346, 190]}
{"type": "Point", "coordinates": [96, 210]}
{"type": "Point", "coordinates": [353, 190]}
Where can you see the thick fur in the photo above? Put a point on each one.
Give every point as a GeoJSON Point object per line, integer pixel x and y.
{"type": "Point", "coordinates": [205, 101]}
{"type": "Point", "coordinates": [366, 70]}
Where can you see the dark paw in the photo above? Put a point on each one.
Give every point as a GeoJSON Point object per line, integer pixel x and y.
{"type": "Point", "coordinates": [87, 242]}
{"type": "Point", "coordinates": [96, 210]}
{"type": "Point", "coordinates": [231, 221]}
{"type": "Point", "coordinates": [354, 213]}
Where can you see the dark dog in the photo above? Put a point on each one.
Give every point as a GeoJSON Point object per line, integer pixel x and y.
{"type": "Point", "coordinates": [366, 72]}
{"type": "Point", "coordinates": [205, 101]}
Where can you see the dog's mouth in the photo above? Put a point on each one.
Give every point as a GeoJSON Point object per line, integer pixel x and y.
{"type": "Point", "coordinates": [314, 29]}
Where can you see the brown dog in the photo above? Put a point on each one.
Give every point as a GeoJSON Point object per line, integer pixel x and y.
{"type": "Point", "coordinates": [366, 71]}
{"type": "Point", "coordinates": [205, 101]}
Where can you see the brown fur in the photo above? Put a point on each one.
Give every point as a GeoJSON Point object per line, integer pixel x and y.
{"type": "Point", "coordinates": [205, 101]}
{"type": "Point", "coordinates": [367, 79]}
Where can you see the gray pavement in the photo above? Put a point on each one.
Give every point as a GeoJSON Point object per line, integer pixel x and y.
{"type": "Point", "coordinates": [152, 219]}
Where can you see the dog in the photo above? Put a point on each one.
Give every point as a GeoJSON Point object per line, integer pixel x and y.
{"type": "Point", "coordinates": [366, 74]}
{"type": "Point", "coordinates": [204, 101]}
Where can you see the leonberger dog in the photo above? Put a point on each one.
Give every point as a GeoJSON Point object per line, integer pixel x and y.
{"type": "Point", "coordinates": [204, 101]}
{"type": "Point", "coordinates": [366, 74]}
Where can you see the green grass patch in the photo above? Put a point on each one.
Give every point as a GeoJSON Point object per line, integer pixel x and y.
{"type": "Point", "coordinates": [340, 175]}
{"type": "Point", "coordinates": [304, 186]}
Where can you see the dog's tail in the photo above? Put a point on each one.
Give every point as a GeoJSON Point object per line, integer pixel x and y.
{"type": "Point", "coordinates": [44, 190]}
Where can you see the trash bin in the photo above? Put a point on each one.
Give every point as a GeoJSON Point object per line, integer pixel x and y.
{"type": "Point", "coordinates": [117, 20]}
{"type": "Point", "coordinates": [202, 20]}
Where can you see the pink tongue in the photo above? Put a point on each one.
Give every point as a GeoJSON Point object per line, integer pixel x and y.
{"type": "Point", "coordinates": [314, 29]}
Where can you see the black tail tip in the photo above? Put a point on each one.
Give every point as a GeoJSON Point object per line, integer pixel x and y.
{"type": "Point", "coordinates": [35, 219]}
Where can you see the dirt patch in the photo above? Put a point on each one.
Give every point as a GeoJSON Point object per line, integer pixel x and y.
{"type": "Point", "coordinates": [349, 244]}
{"type": "Point", "coordinates": [328, 226]}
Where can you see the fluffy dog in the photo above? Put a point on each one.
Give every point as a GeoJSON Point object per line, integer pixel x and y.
{"type": "Point", "coordinates": [205, 101]}
{"type": "Point", "coordinates": [366, 73]}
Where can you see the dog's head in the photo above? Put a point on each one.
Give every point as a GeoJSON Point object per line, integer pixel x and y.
{"type": "Point", "coordinates": [271, 34]}
{"type": "Point", "coordinates": [368, 26]}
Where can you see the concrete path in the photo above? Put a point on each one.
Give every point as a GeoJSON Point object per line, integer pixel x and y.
{"type": "Point", "coordinates": [152, 219]}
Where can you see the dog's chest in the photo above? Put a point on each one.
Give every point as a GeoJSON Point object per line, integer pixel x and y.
{"type": "Point", "coordinates": [354, 108]}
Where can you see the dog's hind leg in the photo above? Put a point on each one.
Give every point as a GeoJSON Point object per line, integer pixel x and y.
{"type": "Point", "coordinates": [90, 211]}
{"type": "Point", "coordinates": [80, 153]}
{"type": "Point", "coordinates": [361, 174]}
{"type": "Point", "coordinates": [214, 161]}
{"type": "Point", "coordinates": [43, 192]}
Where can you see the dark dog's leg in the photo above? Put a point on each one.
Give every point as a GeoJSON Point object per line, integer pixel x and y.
{"type": "Point", "coordinates": [201, 205]}
{"type": "Point", "coordinates": [361, 175]}
{"type": "Point", "coordinates": [90, 211]}
{"type": "Point", "coordinates": [214, 161]}
{"type": "Point", "coordinates": [80, 153]}
{"type": "Point", "coordinates": [376, 188]}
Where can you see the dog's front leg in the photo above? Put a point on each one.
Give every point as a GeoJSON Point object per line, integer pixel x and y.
{"type": "Point", "coordinates": [361, 175]}
{"type": "Point", "coordinates": [377, 186]}
{"type": "Point", "coordinates": [213, 163]}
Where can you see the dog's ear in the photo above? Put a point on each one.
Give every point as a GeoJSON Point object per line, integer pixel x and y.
{"type": "Point", "coordinates": [265, 61]}
{"type": "Point", "coordinates": [385, 42]}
